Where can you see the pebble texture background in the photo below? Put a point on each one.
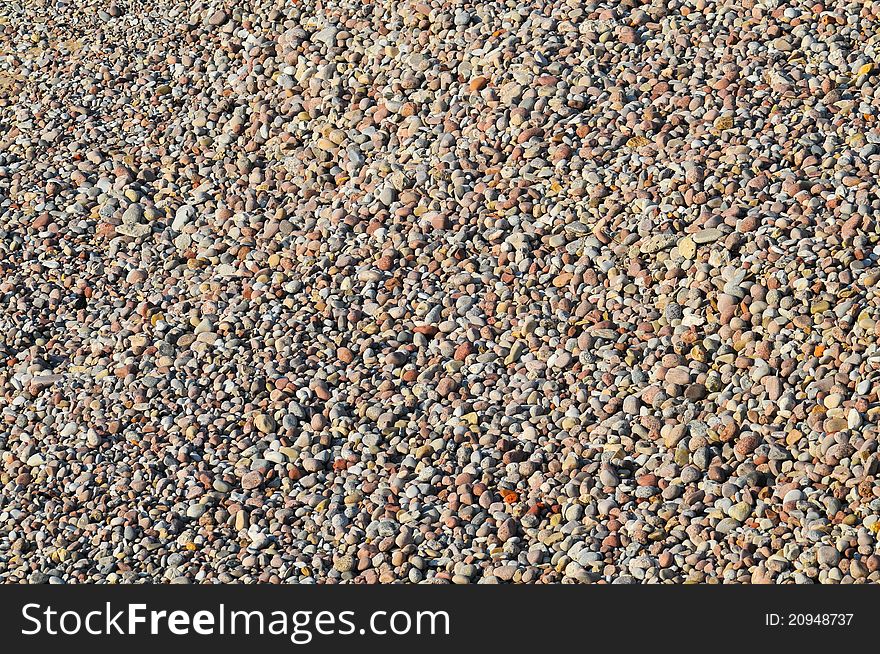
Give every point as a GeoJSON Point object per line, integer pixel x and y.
{"type": "Point", "coordinates": [439, 291]}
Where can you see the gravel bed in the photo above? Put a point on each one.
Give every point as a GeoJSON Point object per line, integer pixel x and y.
{"type": "Point", "coordinates": [439, 291]}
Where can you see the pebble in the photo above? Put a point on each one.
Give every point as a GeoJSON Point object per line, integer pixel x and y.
{"type": "Point", "coordinates": [265, 423]}
{"type": "Point", "coordinates": [687, 247]}
{"type": "Point", "coordinates": [251, 480]}
{"type": "Point", "coordinates": [707, 236]}
{"type": "Point", "coordinates": [827, 556]}
{"type": "Point", "coordinates": [182, 217]}
{"type": "Point", "coordinates": [793, 496]}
